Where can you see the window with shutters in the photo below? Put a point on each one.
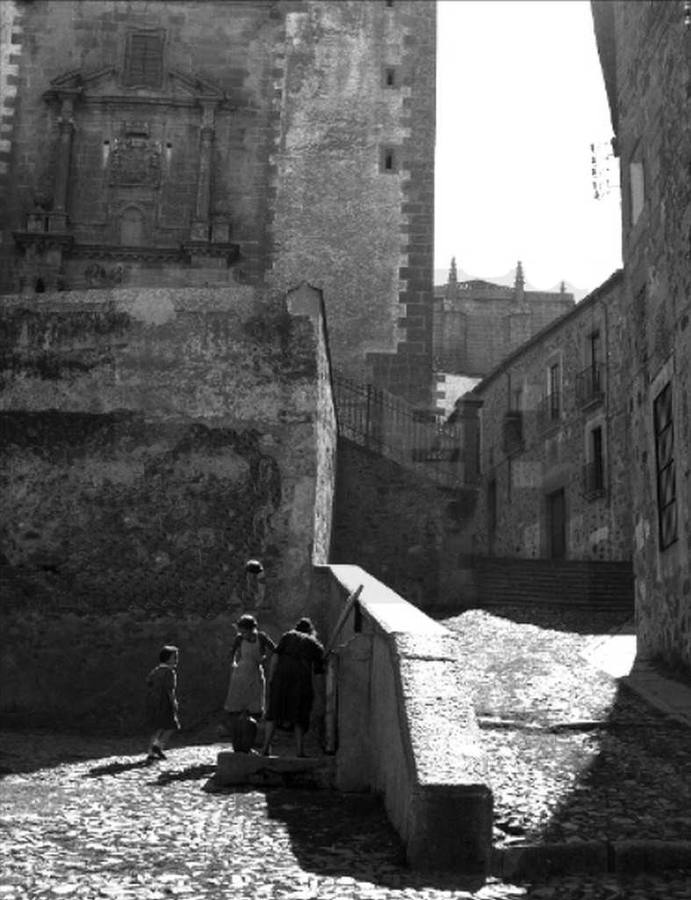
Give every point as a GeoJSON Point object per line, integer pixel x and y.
{"type": "Point", "coordinates": [663, 422]}
{"type": "Point", "coordinates": [144, 59]}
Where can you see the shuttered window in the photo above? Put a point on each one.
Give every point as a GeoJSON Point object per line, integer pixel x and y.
{"type": "Point", "coordinates": [144, 60]}
{"type": "Point", "coordinates": [663, 421]}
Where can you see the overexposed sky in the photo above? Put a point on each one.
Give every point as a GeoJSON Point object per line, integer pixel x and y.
{"type": "Point", "coordinates": [520, 98]}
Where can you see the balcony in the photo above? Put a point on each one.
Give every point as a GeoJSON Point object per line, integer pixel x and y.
{"type": "Point", "coordinates": [512, 432]}
{"type": "Point", "coordinates": [593, 480]}
{"type": "Point", "coordinates": [549, 412]}
{"type": "Point", "coordinates": [590, 386]}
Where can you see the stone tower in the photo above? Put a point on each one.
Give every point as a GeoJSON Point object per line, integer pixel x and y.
{"type": "Point", "coordinates": [208, 143]}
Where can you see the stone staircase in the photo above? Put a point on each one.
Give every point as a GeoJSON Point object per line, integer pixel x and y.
{"type": "Point", "coordinates": [582, 583]}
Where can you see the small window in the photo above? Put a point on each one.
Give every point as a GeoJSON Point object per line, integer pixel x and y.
{"type": "Point", "coordinates": [595, 465]}
{"type": "Point", "coordinates": [144, 59]}
{"type": "Point", "coordinates": [636, 189]}
{"type": "Point", "coordinates": [663, 422]}
{"type": "Point", "coordinates": [389, 159]}
{"type": "Point", "coordinates": [595, 347]}
{"type": "Point", "coordinates": [554, 391]}
{"type": "Point", "coordinates": [390, 77]}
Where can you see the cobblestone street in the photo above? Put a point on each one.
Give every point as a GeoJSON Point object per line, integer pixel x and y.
{"type": "Point", "coordinates": [83, 817]}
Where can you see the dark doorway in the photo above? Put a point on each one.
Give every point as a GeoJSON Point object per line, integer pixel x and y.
{"type": "Point", "coordinates": [556, 514]}
{"type": "Point", "coordinates": [491, 515]}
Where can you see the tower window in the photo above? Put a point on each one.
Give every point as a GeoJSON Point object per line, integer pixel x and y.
{"type": "Point", "coordinates": [390, 79]}
{"type": "Point", "coordinates": [144, 59]}
{"type": "Point", "coordinates": [389, 161]}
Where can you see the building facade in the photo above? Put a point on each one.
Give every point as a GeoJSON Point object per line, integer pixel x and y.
{"type": "Point", "coordinates": [555, 440]}
{"type": "Point", "coordinates": [645, 51]}
{"type": "Point", "coordinates": [477, 324]}
{"type": "Point", "coordinates": [208, 143]}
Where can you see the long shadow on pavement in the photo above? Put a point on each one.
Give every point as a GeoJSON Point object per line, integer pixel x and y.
{"type": "Point", "coordinates": [565, 769]}
{"type": "Point", "coordinates": [349, 835]}
{"type": "Point", "coordinates": [49, 749]}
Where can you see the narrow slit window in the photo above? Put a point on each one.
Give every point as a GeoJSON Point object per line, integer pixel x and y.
{"type": "Point", "coordinates": [389, 160]}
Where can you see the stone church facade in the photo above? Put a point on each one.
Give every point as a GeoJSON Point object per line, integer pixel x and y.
{"type": "Point", "coordinates": [477, 324]}
{"type": "Point", "coordinates": [645, 52]}
{"type": "Point", "coordinates": [216, 143]}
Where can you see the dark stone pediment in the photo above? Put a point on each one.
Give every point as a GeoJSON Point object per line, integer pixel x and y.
{"type": "Point", "coordinates": [105, 86]}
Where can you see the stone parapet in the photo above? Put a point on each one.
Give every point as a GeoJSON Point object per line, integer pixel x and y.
{"type": "Point", "coordinates": [405, 726]}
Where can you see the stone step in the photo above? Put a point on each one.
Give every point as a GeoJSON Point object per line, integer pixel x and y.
{"type": "Point", "coordinates": [275, 771]}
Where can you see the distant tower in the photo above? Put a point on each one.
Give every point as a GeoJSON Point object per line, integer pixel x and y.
{"type": "Point", "coordinates": [519, 283]}
{"type": "Point", "coordinates": [562, 287]}
{"type": "Point", "coordinates": [452, 283]}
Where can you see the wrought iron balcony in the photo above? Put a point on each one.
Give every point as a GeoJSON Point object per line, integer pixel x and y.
{"type": "Point", "coordinates": [590, 385]}
{"type": "Point", "coordinates": [593, 479]}
{"type": "Point", "coordinates": [549, 411]}
{"type": "Point", "coordinates": [512, 432]}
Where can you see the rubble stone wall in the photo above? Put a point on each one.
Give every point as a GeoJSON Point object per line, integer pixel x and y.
{"type": "Point", "coordinates": [648, 79]}
{"type": "Point", "coordinates": [152, 440]}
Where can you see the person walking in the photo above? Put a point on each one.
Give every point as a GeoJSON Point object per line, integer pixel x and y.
{"type": "Point", "coordinates": [297, 657]}
{"type": "Point", "coordinates": [162, 702]}
{"type": "Point", "coordinates": [247, 686]}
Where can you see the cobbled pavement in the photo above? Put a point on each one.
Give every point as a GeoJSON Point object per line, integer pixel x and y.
{"type": "Point", "coordinates": [83, 817]}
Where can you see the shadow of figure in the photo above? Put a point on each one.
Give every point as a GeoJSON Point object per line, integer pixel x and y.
{"type": "Point", "coordinates": [116, 768]}
{"type": "Point", "coordinates": [191, 773]}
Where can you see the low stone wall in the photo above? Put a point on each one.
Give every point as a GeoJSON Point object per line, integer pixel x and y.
{"type": "Point", "coordinates": [405, 725]}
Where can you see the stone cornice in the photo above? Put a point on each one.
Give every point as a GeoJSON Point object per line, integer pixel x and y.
{"type": "Point", "coordinates": [42, 240]}
{"type": "Point", "coordinates": [85, 84]}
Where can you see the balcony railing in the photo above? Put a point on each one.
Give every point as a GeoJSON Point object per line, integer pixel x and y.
{"type": "Point", "coordinates": [512, 432]}
{"type": "Point", "coordinates": [549, 411]}
{"type": "Point", "coordinates": [593, 479]}
{"type": "Point", "coordinates": [590, 385]}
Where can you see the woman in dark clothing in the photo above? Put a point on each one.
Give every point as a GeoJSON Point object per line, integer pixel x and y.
{"type": "Point", "coordinates": [296, 658]}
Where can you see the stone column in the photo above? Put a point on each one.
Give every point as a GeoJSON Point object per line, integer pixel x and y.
{"type": "Point", "coordinates": [62, 168]}
{"type": "Point", "coordinates": [201, 225]}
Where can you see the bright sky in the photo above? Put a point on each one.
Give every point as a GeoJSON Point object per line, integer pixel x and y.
{"type": "Point", "coordinates": [520, 98]}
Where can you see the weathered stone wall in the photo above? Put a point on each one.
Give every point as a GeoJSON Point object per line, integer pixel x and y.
{"type": "Point", "coordinates": [405, 530]}
{"type": "Point", "coordinates": [648, 79]}
{"type": "Point", "coordinates": [353, 224]}
{"type": "Point", "coordinates": [10, 49]}
{"type": "Point", "coordinates": [152, 440]}
{"type": "Point", "coordinates": [552, 456]}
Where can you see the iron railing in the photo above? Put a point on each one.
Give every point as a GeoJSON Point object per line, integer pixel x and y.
{"type": "Point", "coordinates": [416, 438]}
{"type": "Point", "coordinates": [590, 385]}
{"type": "Point", "coordinates": [549, 411]}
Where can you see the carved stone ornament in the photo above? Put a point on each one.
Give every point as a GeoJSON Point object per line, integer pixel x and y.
{"type": "Point", "coordinates": [135, 162]}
